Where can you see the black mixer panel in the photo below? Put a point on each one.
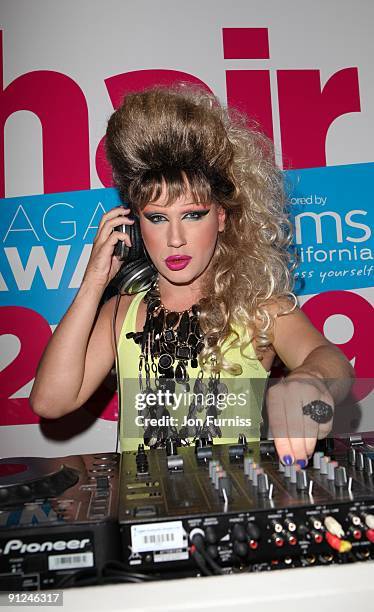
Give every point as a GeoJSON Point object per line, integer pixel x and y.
{"type": "Point", "coordinates": [57, 517]}
{"type": "Point", "coordinates": [180, 511]}
{"type": "Point", "coordinates": [244, 509]}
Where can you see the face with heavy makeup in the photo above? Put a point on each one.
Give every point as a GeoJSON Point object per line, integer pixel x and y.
{"type": "Point", "coordinates": [180, 238]}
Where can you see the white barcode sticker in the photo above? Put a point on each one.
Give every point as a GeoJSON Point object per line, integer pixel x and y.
{"type": "Point", "coordinates": [158, 536]}
{"type": "Point", "coordinates": [57, 562]}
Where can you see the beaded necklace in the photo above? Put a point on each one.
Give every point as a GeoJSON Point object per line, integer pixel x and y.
{"type": "Point", "coordinates": [169, 342]}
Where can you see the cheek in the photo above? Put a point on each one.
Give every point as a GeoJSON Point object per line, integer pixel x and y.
{"type": "Point", "coordinates": [207, 239]}
{"type": "Point", "coordinates": [150, 239]}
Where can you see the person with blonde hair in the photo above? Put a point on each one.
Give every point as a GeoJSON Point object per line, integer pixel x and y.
{"type": "Point", "coordinates": [208, 203]}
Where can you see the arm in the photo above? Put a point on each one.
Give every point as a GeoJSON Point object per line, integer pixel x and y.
{"type": "Point", "coordinates": [318, 371]}
{"type": "Point", "coordinates": [80, 352]}
{"type": "Point", "coordinates": [76, 360]}
{"type": "Point", "coordinates": [309, 355]}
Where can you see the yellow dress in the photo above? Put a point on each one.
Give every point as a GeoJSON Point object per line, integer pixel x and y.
{"type": "Point", "coordinates": [239, 405]}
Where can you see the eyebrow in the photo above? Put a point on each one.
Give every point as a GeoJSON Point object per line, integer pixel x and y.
{"type": "Point", "coordinates": [200, 205]}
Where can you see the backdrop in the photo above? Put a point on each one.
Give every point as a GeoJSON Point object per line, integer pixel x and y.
{"type": "Point", "coordinates": [302, 69]}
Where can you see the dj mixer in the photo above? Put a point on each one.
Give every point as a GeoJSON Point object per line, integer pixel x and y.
{"type": "Point", "coordinates": [181, 511]}
{"type": "Point", "coordinates": [244, 509]}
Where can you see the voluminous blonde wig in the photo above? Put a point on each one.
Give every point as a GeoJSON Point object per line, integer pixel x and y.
{"type": "Point", "coordinates": [182, 137]}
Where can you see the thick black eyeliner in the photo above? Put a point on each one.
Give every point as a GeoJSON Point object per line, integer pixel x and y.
{"type": "Point", "coordinates": [200, 213]}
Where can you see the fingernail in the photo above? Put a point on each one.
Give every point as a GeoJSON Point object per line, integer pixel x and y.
{"type": "Point", "coordinates": [302, 463]}
{"type": "Point", "coordinates": [287, 459]}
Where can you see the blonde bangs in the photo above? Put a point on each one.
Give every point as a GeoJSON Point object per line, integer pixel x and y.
{"type": "Point", "coordinates": [171, 183]}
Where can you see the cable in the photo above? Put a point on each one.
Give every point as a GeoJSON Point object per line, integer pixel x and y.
{"type": "Point", "coordinates": [215, 567]}
{"type": "Point", "coordinates": [114, 332]}
{"type": "Point", "coordinates": [115, 568]}
{"type": "Point", "coordinates": [199, 544]}
{"type": "Point", "coordinates": [111, 573]}
{"type": "Point", "coordinates": [200, 561]}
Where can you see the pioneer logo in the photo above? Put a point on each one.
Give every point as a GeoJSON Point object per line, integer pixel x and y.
{"type": "Point", "coordinates": [19, 546]}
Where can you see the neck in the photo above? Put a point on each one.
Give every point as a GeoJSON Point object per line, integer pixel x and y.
{"type": "Point", "coordinates": [179, 297]}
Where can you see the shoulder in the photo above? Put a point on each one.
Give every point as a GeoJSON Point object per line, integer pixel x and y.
{"type": "Point", "coordinates": [279, 307]}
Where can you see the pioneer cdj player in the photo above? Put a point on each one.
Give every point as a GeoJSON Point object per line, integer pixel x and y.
{"type": "Point", "coordinates": [181, 511]}
{"type": "Point", "coordinates": [57, 517]}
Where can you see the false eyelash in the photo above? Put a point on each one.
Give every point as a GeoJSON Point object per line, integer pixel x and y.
{"type": "Point", "coordinates": [199, 214]}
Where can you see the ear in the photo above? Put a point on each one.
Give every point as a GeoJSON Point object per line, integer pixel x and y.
{"type": "Point", "coordinates": [221, 218]}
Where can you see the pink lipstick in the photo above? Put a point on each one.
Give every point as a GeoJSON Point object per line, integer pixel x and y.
{"type": "Point", "coordinates": [177, 262]}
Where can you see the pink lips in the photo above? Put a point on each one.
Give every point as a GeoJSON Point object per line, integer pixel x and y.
{"type": "Point", "coordinates": [177, 262]}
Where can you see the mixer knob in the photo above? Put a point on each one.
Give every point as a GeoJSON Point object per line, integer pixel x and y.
{"type": "Point", "coordinates": [331, 467]}
{"type": "Point", "coordinates": [369, 520]}
{"type": "Point", "coordinates": [212, 468]}
{"type": "Point", "coordinates": [263, 483]}
{"type": "Point", "coordinates": [317, 459]}
{"type": "Point", "coordinates": [252, 468]}
{"type": "Point", "coordinates": [239, 533]}
{"type": "Point", "coordinates": [281, 467]}
{"type": "Point", "coordinates": [212, 551]}
{"type": "Point", "coordinates": [287, 471]}
{"type": "Point", "coordinates": [240, 548]}
{"type": "Point", "coordinates": [293, 471]}
{"type": "Point", "coordinates": [247, 463]}
{"type": "Point", "coordinates": [224, 484]}
{"type": "Point", "coordinates": [369, 465]}
{"type": "Point", "coordinates": [340, 476]}
{"type": "Point", "coordinates": [253, 531]}
{"type": "Point", "coordinates": [257, 472]}
{"type": "Point", "coordinates": [301, 480]}
{"type": "Point", "coordinates": [352, 456]}
{"type": "Point", "coordinates": [224, 487]}
{"type": "Point", "coordinates": [210, 535]}
{"type": "Point", "coordinates": [324, 462]}
{"type": "Point", "coordinates": [217, 475]}
{"type": "Point", "coordinates": [359, 461]}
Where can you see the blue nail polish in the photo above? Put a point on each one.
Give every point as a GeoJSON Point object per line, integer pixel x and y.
{"type": "Point", "coordinates": [302, 463]}
{"type": "Point", "coordinates": [287, 459]}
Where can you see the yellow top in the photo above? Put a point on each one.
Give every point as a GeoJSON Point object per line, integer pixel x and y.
{"type": "Point", "coordinates": [239, 409]}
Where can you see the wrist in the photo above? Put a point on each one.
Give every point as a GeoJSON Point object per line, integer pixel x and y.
{"type": "Point", "coordinates": [310, 376]}
{"type": "Point", "coordinates": [305, 372]}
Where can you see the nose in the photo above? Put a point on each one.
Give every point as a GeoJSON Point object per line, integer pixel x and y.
{"type": "Point", "coordinates": [176, 236]}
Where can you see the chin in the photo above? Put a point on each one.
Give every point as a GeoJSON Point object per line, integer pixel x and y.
{"type": "Point", "coordinates": [181, 277]}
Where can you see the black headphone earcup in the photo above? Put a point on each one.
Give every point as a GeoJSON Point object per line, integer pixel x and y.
{"type": "Point", "coordinates": [137, 250]}
{"type": "Point", "coordinates": [137, 272]}
{"type": "Point", "coordinates": [136, 276]}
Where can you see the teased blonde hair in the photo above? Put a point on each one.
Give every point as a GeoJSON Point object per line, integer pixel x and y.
{"type": "Point", "coordinates": [182, 137]}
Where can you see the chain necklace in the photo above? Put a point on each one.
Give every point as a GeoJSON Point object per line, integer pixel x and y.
{"type": "Point", "coordinates": [170, 341]}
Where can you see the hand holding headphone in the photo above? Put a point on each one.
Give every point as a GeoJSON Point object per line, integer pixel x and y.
{"type": "Point", "coordinates": [138, 271]}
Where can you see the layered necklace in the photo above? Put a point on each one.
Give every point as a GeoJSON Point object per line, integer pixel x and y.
{"type": "Point", "coordinates": [169, 343]}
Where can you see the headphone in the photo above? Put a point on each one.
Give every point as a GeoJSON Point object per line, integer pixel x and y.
{"type": "Point", "coordinates": [138, 271]}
